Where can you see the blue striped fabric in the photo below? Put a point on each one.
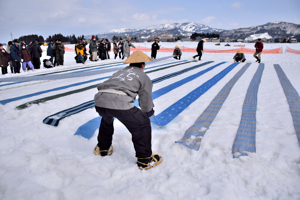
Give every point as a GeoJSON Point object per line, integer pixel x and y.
{"type": "Point", "coordinates": [245, 137]}
{"type": "Point", "coordinates": [171, 112]}
{"type": "Point", "coordinates": [55, 118]}
{"type": "Point", "coordinates": [5, 101]}
{"type": "Point", "coordinates": [193, 136]}
{"type": "Point", "coordinates": [87, 130]}
{"type": "Point", "coordinates": [292, 97]}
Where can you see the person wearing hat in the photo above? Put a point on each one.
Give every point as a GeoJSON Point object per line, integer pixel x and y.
{"type": "Point", "coordinates": [177, 53]}
{"type": "Point", "coordinates": [15, 56]}
{"type": "Point", "coordinates": [93, 49]}
{"type": "Point", "coordinates": [258, 50]}
{"type": "Point", "coordinates": [114, 100]}
{"type": "Point", "coordinates": [80, 51]}
{"type": "Point", "coordinates": [199, 49]}
{"type": "Point", "coordinates": [154, 48]}
{"type": "Point", "coordinates": [239, 56]}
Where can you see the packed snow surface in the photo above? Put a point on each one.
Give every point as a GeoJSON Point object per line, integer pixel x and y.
{"type": "Point", "coordinates": [38, 161]}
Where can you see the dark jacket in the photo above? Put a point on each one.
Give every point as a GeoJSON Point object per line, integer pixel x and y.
{"type": "Point", "coordinates": [15, 53]}
{"type": "Point", "coordinates": [58, 49]}
{"type": "Point", "coordinates": [107, 46]}
{"type": "Point", "coordinates": [121, 44]}
{"type": "Point", "coordinates": [93, 46]}
{"type": "Point", "coordinates": [102, 48]}
{"type": "Point", "coordinates": [154, 47]}
{"type": "Point", "coordinates": [36, 51]}
{"type": "Point", "coordinates": [116, 48]}
{"type": "Point", "coordinates": [200, 46]}
{"type": "Point", "coordinates": [239, 56]}
{"type": "Point", "coordinates": [259, 46]}
{"type": "Point", "coordinates": [177, 52]}
{"type": "Point", "coordinates": [4, 58]}
{"type": "Point", "coordinates": [49, 49]}
{"type": "Point", "coordinates": [25, 55]}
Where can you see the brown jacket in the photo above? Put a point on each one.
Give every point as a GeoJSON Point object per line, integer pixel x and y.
{"type": "Point", "coordinates": [25, 55]}
{"type": "Point", "coordinates": [4, 58]}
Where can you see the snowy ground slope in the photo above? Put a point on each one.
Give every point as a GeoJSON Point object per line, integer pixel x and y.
{"type": "Point", "coordinates": [39, 161]}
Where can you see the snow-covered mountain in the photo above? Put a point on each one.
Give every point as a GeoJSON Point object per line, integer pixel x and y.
{"type": "Point", "coordinates": [274, 29]}
{"type": "Point", "coordinates": [174, 30]}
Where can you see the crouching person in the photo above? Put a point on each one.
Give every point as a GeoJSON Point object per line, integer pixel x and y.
{"type": "Point", "coordinates": [114, 99]}
{"type": "Point", "coordinates": [239, 56]}
{"type": "Point", "coordinates": [177, 53]}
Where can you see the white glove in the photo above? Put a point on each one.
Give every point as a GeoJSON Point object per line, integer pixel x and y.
{"type": "Point", "coordinates": [21, 60]}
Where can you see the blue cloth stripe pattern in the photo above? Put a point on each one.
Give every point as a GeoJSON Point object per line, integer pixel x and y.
{"type": "Point", "coordinates": [292, 97]}
{"type": "Point", "coordinates": [55, 118]}
{"type": "Point", "coordinates": [193, 136]}
{"type": "Point", "coordinates": [87, 130]}
{"type": "Point", "coordinates": [245, 137]}
{"type": "Point", "coordinates": [171, 112]}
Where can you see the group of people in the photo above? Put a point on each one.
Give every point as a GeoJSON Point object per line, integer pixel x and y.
{"type": "Point", "coordinates": [238, 57]}
{"type": "Point", "coordinates": [121, 49]}
{"type": "Point", "coordinates": [17, 53]}
{"type": "Point", "coordinates": [29, 56]}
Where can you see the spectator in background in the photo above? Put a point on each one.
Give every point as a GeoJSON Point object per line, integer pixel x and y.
{"type": "Point", "coordinates": [177, 53]}
{"type": "Point", "coordinates": [121, 49]}
{"type": "Point", "coordinates": [258, 50]}
{"type": "Point", "coordinates": [126, 48]}
{"type": "Point", "coordinates": [116, 49]}
{"type": "Point", "coordinates": [8, 51]}
{"type": "Point", "coordinates": [107, 48]}
{"type": "Point", "coordinates": [80, 52]}
{"type": "Point", "coordinates": [26, 58]}
{"type": "Point", "coordinates": [239, 56]}
{"type": "Point", "coordinates": [58, 52]}
{"type": "Point", "coordinates": [4, 59]}
{"type": "Point", "coordinates": [93, 49]}
{"type": "Point", "coordinates": [199, 49]}
{"type": "Point", "coordinates": [102, 51]}
{"type": "Point", "coordinates": [154, 49]}
{"type": "Point", "coordinates": [36, 54]}
{"type": "Point", "coordinates": [49, 50]}
{"type": "Point", "coordinates": [15, 56]}
{"type": "Point", "coordinates": [29, 45]}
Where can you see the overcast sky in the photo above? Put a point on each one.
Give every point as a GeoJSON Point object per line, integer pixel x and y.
{"type": "Point", "coordinates": [86, 17]}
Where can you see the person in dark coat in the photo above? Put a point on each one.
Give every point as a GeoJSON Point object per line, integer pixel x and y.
{"type": "Point", "coordinates": [116, 49]}
{"type": "Point", "coordinates": [58, 51]}
{"type": "Point", "coordinates": [36, 54]}
{"type": "Point", "coordinates": [4, 59]}
{"type": "Point", "coordinates": [102, 50]}
{"type": "Point", "coordinates": [29, 45]}
{"type": "Point", "coordinates": [258, 50]}
{"type": "Point", "coordinates": [26, 58]}
{"type": "Point", "coordinates": [8, 51]}
{"type": "Point", "coordinates": [199, 49]}
{"type": "Point", "coordinates": [154, 49]}
{"type": "Point", "coordinates": [107, 48]}
{"type": "Point", "coordinates": [15, 56]}
{"type": "Point", "coordinates": [49, 50]}
{"type": "Point", "coordinates": [239, 56]}
{"type": "Point", "coordinates": [121, 47]}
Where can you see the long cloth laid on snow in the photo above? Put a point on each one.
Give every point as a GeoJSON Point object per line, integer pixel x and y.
{"type": "Point", "coordinates": [55, 118]}
{"type": "Point", "coordinates": [292, 97]}
{"type": "Point", "coordinates": [193, 136]}
{"type": "Point", "coordinates": [245, 137]}
{"type": "Point", "coordinates": [87, 130]}
{"type": "Point", "coordinates": [175, 109]}
{"type": "Point", "coordinates": [37, 101]}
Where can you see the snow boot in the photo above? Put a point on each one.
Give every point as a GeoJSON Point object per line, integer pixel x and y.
{"type": "Point", "coordinates": [149, 162]}
{"type": "Point", "coordinates": [103, 153]}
